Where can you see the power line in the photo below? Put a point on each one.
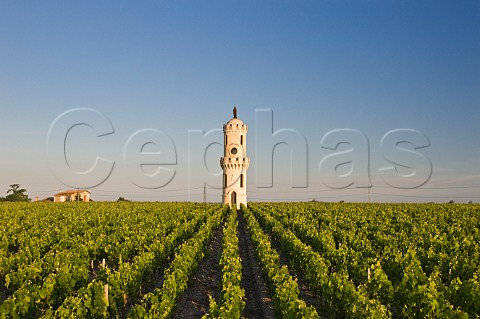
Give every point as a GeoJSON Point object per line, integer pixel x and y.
{"type": "Point", "coordinates": [148, 191]}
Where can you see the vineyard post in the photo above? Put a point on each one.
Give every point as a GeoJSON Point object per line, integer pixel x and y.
{"type": "Point", "coordinates": [105, 290]}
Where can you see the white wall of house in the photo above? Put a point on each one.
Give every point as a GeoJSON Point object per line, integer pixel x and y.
{"type": "Point", "coordinates": [71, 197]}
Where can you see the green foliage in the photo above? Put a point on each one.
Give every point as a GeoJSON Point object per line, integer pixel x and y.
{"type": "Point", "coordinates": [16, 194]}
{"type": "Point", "coordinates": [340, 293]}
{"type": "Point", "coordinates": [362, 260]}
{"type": "Point", "coordinates": [46, 253]}
{"type": "Point", "coordinates": [417, 260]}
{"type": "Point", "coordinates": [285, 289]}
{"type": "Point", "coordinates": [466, 294]}
{"type": "Point", "coordinates": [232, 299]}
{"type": "Point", "coordinates": [161, 302]}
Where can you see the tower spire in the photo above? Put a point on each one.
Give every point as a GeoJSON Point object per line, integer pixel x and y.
{"type": "Point", "coordinates": [234, 112]}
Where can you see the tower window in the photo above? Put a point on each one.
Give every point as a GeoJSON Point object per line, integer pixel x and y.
{"type": "Point", "coordinates": [226, 139]}
{"type": "Point", "coordinates": [224, 180]}
{"type": "Point", "coordinates": [241, 139]}
{"type": "Point", "coordinates": [233, 151]}
{"type": "Point", "coordinates": [241, 180]}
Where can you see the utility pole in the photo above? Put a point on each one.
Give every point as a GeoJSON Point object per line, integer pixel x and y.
{"type": "Point", "coordinates": [204, 193]}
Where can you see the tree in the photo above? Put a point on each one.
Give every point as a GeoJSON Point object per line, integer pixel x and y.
{"type": "Point", "coordinates": [16, 194]}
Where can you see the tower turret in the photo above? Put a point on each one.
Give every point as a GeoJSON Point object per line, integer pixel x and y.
{"type": "Point", "coordinates": [234, 162]}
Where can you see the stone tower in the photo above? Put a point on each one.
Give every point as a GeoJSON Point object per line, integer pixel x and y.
{"type": "Point", "coordinates": [234, 162]}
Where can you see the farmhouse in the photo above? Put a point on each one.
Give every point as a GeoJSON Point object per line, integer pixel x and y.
{"type": "Point", "coordinates": [72, 195]}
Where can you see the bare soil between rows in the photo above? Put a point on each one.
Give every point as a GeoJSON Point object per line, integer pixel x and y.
{"type": "Point", "coordinates": [206, 281]}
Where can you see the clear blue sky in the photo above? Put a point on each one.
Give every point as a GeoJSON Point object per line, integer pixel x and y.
{"type": "Point", "coordinates": [175, 66]}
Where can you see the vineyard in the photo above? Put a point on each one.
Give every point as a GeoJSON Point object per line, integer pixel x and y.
{"type": "Point", "coordinates": [270, 260]}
